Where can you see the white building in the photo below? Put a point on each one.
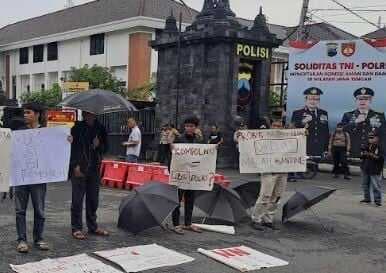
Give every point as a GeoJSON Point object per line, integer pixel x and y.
{"type": "Point", "coordinates": [38, 52]}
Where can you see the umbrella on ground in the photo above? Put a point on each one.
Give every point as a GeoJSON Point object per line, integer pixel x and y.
{"type": "Point", "coordinates": [98, 101]}
{"type": "Point", "coordinates": [305, 199]}
{"type": "Point", "coordinates": [150, 206]}
{"type": "Point", "coordinates": [248, 191]}
{"type": "Point", "coordinates": [221, 204]}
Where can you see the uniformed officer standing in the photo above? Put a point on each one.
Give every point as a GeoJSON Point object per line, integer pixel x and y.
{"type": "Point", "coordinates": [314, 120]}
{"type": "Point", "coordinates": [363, 120]}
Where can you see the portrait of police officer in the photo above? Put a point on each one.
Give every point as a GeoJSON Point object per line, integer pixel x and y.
{"type": "Point", "coordinates": [363, 120]}
{"type": "Point", "coordinates": [314, 120]}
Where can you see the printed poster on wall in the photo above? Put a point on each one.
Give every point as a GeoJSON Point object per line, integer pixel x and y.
{"type": "Point", "coordinates": [40, 156]}
{"type": "Point", "coordinates": [331, 82]}
{"type": "Point", "coordinates": [5, 159]}
{"type": "Point", "coordinates": [193, 166]}
{"type": "Point", "coordinates": [272, 151]}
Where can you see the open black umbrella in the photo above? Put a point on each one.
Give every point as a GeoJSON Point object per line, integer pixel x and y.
{"type": "Point", "coordinates": [149, 207]}
{"type": "Point", "coordinates": [248, 191]}
{"type": "Point", "coordinates": [305, 199]}
{"type": "Point", "coordinates": [98, 101]}
{"type": "Point", "coordinates": [221, 204]}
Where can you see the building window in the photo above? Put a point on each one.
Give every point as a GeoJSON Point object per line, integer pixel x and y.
{"type": "Point", "coordinates": [43, 87]}
{"type": "Point", "coordinates": [52, 51]}
{"type": "Point", "coordinates": [97, 44]}
{"type": "Point", "coordinates": [23, 55]}
{"type": "Point", "coordinates": [38, 53]}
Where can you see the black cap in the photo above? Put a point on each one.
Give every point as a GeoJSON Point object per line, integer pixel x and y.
{"type": "Point", "coordinates": [364, 91]}
{"type": "Point", "coordinates": [313, 91]}
{"type": "Point", "coordinates": [36, 107]}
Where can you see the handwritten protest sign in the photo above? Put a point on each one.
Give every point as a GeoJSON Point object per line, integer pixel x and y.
{"type": "Point", "coordinates": [193, 166]}
{"type": "Point", "coordinates": [144, 257]}
{"type": "Point", "coordinates": [40, 156]}
{"type": "Point", "coordinates": [243, 258]}
{"type": "Point", "coordinates": [5, 158]}
{"type": "Point", "coordinates": [272, 151]}
{"type": "Point", "coordinates": [75, 264]}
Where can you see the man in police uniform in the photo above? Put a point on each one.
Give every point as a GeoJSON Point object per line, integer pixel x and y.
{"type": "Point", "coordinates": [314, 120]}
{"type": "Point", "coordinates": [360, 122]}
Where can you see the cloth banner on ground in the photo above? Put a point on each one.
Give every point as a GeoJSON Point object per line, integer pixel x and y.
{"type": "Point", "coordinates": [5, 159]}
{"type": "Point", "coordinates": [272, 151]}
{"type": "Point", "coordinates": [218, 228]}
{"type": "Point", "coordinates": [40, 156]}
{"type": "Point", "coordinates": [75, 264]}
{"type": "Point", "coordinates": [193, 166]}
{"type": "Point", "coordinates": [144, 257]}
{"type": "Point", "coordinates": [243, 258]}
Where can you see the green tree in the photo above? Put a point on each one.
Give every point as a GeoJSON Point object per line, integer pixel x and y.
{"type": "Point", "coordinates": [98, 77]}
{"type": "Point", "coordinates": [49, 98]}
{"type": "Point", "coordinates": [142, 93]}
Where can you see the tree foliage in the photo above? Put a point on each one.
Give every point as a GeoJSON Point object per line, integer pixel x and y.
{"type": "Point", "coordinates": [98, 77]}
{"type": "Point", "coordinates": [143, 93]}
{"type": "Point", "coordinates": [49, 98]}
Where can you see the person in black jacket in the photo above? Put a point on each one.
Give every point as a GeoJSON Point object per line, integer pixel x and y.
{"type": "Point", "coordinates": [372, 168]}
{"type": "Point", "coordinates": [87, 149]}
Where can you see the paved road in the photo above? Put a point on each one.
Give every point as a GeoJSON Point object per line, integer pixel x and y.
{"type": "Point", "coordinates": [358, 244]}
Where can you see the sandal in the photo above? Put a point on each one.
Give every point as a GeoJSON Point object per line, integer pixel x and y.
{"type": "Point", "coordinates": [178, 230]}
{"type": "Point", "coordinates": [22, 247]}
{"type": "Point", "coordinates": [42, 246]}
{"type": "Point", "coordinates": [100, 232]}
{"type": "Point", "coordinates": [192, 228]}
{"type": "Point", "coordinates": [79, 235]}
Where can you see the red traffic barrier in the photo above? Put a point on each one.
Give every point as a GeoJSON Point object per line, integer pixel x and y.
{"type": "Point", "coordinates": [138, 175]}
{"type": "Point", "coordinates": [114, 174]}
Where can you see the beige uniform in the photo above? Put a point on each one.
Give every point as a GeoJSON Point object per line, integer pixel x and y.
{"type": "Point", "coordinates": [272, 188]}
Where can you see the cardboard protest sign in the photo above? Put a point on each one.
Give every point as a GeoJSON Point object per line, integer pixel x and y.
{"type": "Point", "coordinates": [193, 166]}
{"type": "Point", "coordinates": [75, 264]}
{"type": "Point", "coordinates": [5, 159]}
{"type": "Point", "coordinates": [272, 151]}
{"type": "Point", "coordinates": [243, 258]}
{"type": "Point", "coordinates": [40, 156]}
{"type": "Point", "coordinates": [144, 257]}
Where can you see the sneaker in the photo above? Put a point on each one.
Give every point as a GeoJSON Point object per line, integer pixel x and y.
{"type": "Point", "coordinates": [365, 201]}
{"type": "Point", "coordinates": [347, 177]}
{"type": "Point", "coordinates": [41, 245]}
{"type": "Point", "coordinates": [22, 247]}
{"type": "Point", "coordinates": [271, 226]}
{"type": "Point", "coordinates": [378, 204]}
{"type": "Point", "coordinates": [257, 226]}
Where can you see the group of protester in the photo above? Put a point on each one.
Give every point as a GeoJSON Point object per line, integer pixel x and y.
{"type": "Point", "coordinates": [89, 143]}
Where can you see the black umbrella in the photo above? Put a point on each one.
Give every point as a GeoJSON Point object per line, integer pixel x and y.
{"type": "Point", "coordinates": [149, 207]}
{"type": "Point", "coordinates": [98, 101]}
{"type": "Point", "coordinates": [221, 204]}
{"type": "Point", "coordinates": [248, 191]}
{"type": "Point", "coordinates": [305, 199]}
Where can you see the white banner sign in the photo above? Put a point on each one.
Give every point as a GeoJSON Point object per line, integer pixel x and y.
{"type": "Point", "coordinates": [40, 156]}
{"type": "Point", "coordinates": [272, 151]}
{"type": "Point", "coordinates": [218, 228]}
{"type": "Point", "coordinates": [193, 166]}
{"type": "Point", "coordinates": [243, 258]}
{"type": "Point", "coordinates": [144, 257]}
{"type": "Point", "coordinates": [5, 158]}
{"type": "Point", "coordinates": [75, 264]}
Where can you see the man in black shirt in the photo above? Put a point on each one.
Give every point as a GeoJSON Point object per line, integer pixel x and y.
{"type": "Point", "coordinates": [189, 136]}
{"type": "Point", "coordinates": [215, 136]}
{"type": "Point", "coordinates": [372, 168]}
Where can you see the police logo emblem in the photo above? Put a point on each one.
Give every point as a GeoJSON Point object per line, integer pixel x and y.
{"type": "Point", "coordinates": [348, 49]}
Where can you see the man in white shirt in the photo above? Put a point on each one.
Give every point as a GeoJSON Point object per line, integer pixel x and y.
{"type": "Point", "coordinates": [133, 145]}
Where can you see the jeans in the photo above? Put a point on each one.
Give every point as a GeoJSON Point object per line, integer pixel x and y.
{"type": "Point", "coordinates": [131, 158]}
{"type": "Point", "coordinates": [189, 197]}
{"type": "Point", "coordinates": [373, 182]}
{"type": "Point", "coordinates": [38, 196]}
{"type": "Point", "coordinates": [85, 187]}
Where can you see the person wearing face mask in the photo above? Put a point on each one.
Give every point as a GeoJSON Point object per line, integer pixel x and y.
{"type": "Point", "coordinates": [314, 120]}
{"type": "Point", "coordinates": [339, 148]}
{"type": "Point", "coordinates": [363, 120]}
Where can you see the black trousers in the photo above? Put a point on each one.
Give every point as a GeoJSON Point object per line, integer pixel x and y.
{"type": "Point", "coordinates": [85, 187]}
{"type": "Point", "coordinates": [163, 153]}
{"type": "Point", "coordinates": [188, 206]}
{"type": "Point", "coordinates": [339, 155]}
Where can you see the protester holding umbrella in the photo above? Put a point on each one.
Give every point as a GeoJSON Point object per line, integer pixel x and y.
{"type": "Point", "coordinates": [272, 187]}
{"type": "Point", "coordinates": [189, 136]}
{"type": "Point", "coordinates": [89, 145]}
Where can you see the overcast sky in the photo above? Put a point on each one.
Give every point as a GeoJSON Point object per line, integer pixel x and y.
{"type": "Point", "coordinates": [284, 12]}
